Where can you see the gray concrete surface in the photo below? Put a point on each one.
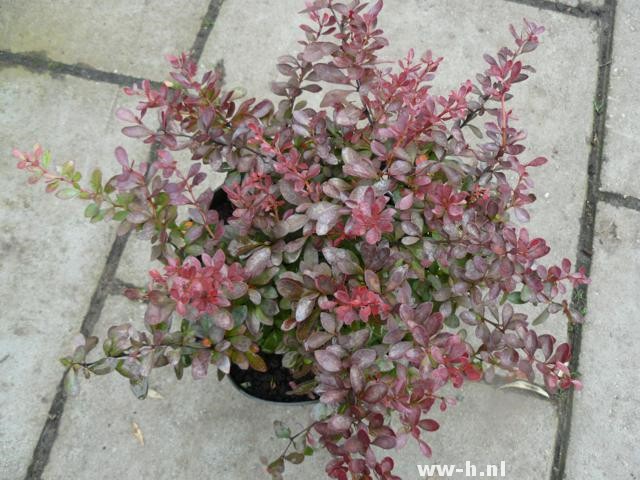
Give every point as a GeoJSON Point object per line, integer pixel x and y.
{"type": "Point", "coordinates": [610, 401]}
{"type": "Point", "coordinates": [621, 155]}
{"type": "Point", "coordinates": [52, 259]}
{"type": "Point", "coordinates": [116, 36]}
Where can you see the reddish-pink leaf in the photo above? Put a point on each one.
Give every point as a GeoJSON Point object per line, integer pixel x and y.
{"type": "Point", "coordinates": [357, 379]}
{"type": "Point", "coordinates": [335, 97]}
{"type": "Point", "coordinates": [328, 361]}
{"type": "Point", "coordinates": [330, 73]}
{"type": "Point", "coordinates": [122, 157]}
{"type": "Point", "coordinates": [200, 364]}
{"type": "Point", "coordinates": [364, 357]}
{"type": "Point", "coordinates": [316, 50]}
{"type": "Point", "coordinates": [126, 115]}
{"type": "Point", "coordinates": [386, 442]}
{"type": "Point", "coordinates": [375, 392]}
{"type": "Point", "coordinates": [348, 116]}
{"type": "Point", "coordinates": [425, 448]}
{"type": "Point", "coordinates": [429, 425]}
{"type": "Point", "coordinates": [340, 423]}
{"type": "Point", "coordinates": [317, 339]}
{"type": "Point", "coordinates": [358, 166]}
{"type": "Point", "coordinates": [136, 131]}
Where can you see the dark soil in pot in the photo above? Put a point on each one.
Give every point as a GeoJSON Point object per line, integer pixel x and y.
{"type": "Point", "coordinates": [272, 385]}
{"type": "Point", "coordinates": [221, 204]}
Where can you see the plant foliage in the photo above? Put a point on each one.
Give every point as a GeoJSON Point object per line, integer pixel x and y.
{"type": "Point", "coordinates": [371, 240]}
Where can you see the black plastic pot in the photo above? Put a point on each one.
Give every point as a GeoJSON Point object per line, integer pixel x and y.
{"type": "Point", "coordinates": [270, 386]}
{"type": "Point", "coordinates": [221, 204]}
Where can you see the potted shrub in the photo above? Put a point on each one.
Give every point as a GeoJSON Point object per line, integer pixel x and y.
{"type": "Point", "coordinates": [362, 252]}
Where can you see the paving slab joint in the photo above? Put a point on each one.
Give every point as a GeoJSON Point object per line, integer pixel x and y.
{"type": "Point", "coordinates": [619, 200]}
{"type": "Point", "coordinates": [582, 10]}
{"type": "Point", "coordinates": [606, 21]}
{"type": "Point", "coordinates": [208, 21]}
{"type": "Point", "coordinates": [50, 430]}
{"type": "Point", "coordinates": [39, 62]}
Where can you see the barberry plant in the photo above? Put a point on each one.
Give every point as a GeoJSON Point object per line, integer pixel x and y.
{"type": "Point", "coordinates": [369, 240]}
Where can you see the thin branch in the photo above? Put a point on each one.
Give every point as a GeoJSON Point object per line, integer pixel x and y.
{"type": "Point", "coordinates": [366, 109]}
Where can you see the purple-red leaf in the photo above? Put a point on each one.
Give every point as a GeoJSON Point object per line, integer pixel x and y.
{"type": "Point", "coordinates": [330, 73]}
{"type": "Point", "coordinates": [375, 392]}
{"type": "Point", "coordinates": [316, 50]}
{"type": "Point", "coordinates": [328, 361]}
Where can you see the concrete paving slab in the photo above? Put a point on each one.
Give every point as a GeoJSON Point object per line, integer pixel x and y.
{"type": "Point", "coordinates": [242, 21]}
{"type": "Point", "coordinates": [123, 36]}
{"type": "Point", "coordinates": [486, 427]}
{"type": "Point", "coordinates": [208, 429]}
{"type": "Point", "coordinates": [556, 113]}
{"type": "Point", "coordinates": [51, 256]}
{"type": "Point", "coordinates": [619, 172]}
{"type": "Point", "coordinates": [605, 413]}
{"type": "Point", "coordinates": [136, 263]}
{"type": "Point", "coordinates": [582, 3]}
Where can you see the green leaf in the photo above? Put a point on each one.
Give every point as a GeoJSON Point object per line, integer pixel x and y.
{"type": "Point", "coordinates": [321, 411]}
{"type": "Point", "coordinates": [476, 131]}
{"type": "Point", "coordinates": [71, 383]}
{"type": "Point", "coordinates": [515, 298]}
{"type": "Point", "coordinates": [104, 366]}
{"type": "Point", "coordinates": [124, 198]}
{"type": "Point", "coordinates": [239, 314]}
{"type": "Point", "coordinates": [179, 370]}
{"type": "Point", "coordinates": [46, 159]}
{"type": "Point", "coordinates": [67, 169]}
{"type": "Point", "coordinates": [295, 458]}
{"type": "Point", "coordinates": [452, 321]}
{"type": "Point", "coordinates": [542, 317]}
{"type": "Point", "coordinates": [256, 361]}
{"type": "Point", "coordinates": [281, 430]}
{"type": "Point", "coordinates": [66, 361]}
{"type": "Point", "coordinates": [271, 341]}
{"type": "Point", "coordinates": [120, 216]}
{"type": "Point", "coordinates": [269, 292]}
{"type": "Point", "coordinates": [79, 354]}
{"type": "Point", "coordinates": [52, 187]}
{"type": "Point", "coordinates": [98, 217]}
{"type": "Point", "coordinates": [67, 193]}
{"type": "Point", "coordinates": [526, 294]}
{"type": "Point", "coordinates": [276, 468]}
{"type": "Point", "coordinates": [92, 210]}
{"type": "Point", "coordinates": [194, 249]}
{"type": "Point", "coordinates": [140, 388]}
{"type": "Point", "coordinates": [96, 180]}
{"type": "Point", "coordinates": [308, 451]}
{"type": "Point", "coordinates": [161, 199]}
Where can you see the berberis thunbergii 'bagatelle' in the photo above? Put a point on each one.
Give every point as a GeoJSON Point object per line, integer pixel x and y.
{"type": "Point", "coordinates": [372, 241]}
